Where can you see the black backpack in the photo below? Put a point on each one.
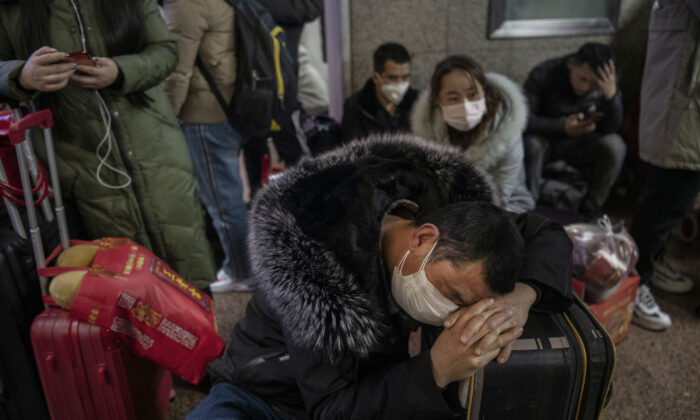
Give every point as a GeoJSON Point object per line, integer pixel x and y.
{"type": "Point", "coordinates": [264, 72]}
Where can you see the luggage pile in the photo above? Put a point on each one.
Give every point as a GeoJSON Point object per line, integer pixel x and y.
{"type": "Point", "coordinates": [72, 364]}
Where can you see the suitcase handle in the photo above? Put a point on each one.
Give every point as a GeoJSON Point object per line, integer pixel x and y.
{"type": "Point", "coordinates": [43, 118]}
{"type": "Point", "coordinates": [101, 375]}
{"type": "Point", "coordinates": [5, 122]}
{"type": "Point", "coordinates": [50, 362]}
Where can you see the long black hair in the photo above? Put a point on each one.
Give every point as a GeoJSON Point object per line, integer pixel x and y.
{"type": "Point", "coordinates": [121, 26]}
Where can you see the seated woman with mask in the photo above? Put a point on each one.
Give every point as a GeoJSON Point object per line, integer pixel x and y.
{"type": "Point", "coordinates": [482, 114]}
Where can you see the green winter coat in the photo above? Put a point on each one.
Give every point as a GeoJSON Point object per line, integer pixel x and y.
{"type": "Point", "coordinates": [160, 209]}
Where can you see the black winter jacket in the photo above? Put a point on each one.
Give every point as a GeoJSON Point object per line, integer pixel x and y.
{"type": "Point", "coordinates": [321, 337]}
{"type": "Point", "coordinates": [551, 99]}
{"type": "Point", "coordinates": [293, 12]}
{"type": "Point", "coordinates": [364, 115]}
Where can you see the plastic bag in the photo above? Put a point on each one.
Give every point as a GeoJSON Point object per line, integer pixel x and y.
{"type": "Point", "coordinates": [603, 256]}
{"type": "Point", "coordinates": [155, 312]}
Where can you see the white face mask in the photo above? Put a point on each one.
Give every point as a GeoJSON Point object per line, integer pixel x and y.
{"type": "Point", "coordinates": [394, 92]}
{"type": "Point", "coordinates": [464, 116]}
{"type": "Point", "coordinates": [418, 297]}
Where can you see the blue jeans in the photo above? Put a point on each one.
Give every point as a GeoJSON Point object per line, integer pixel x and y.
{"type": "Point", "coordinates": [227, 401]}
{"type": "Point", "coordinates": [214, 149]}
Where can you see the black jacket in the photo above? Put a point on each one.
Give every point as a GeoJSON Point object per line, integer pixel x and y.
{"type": "Point", "coordinates": [321, 337]}
{"type": "Point", "coordinates": [293, 12]}
{"type": "Point", "coordinates": [552, 99]}
{"type": "Point", "coordinates": [364, 115]}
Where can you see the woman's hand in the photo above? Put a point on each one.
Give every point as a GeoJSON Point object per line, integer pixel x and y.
{"type": "Point", "coordinates": [102, 75]}
{"type": "Point", "coordinates": [46, 70]}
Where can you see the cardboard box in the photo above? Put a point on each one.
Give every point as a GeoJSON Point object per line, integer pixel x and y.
{"type": "Point", "coordinates": [615, 313]}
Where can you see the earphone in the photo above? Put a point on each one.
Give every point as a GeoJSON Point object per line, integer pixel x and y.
{"type": "Point", "coordinates": [106, 120]}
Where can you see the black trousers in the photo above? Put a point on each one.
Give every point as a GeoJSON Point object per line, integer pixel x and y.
{"type": "Point", "coordinates": [668, 196]}
{"type": "Point", "coordinates": [285, 140]}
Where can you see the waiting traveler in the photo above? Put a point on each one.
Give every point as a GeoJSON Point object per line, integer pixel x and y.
{"type": "Point", "coordinates": [354, 250]}
{"type": "Point", "coordinates": [205, 29]}
{"type": "Point", "coordinates": [484, 115]}
{"type": "Point", "coordinates": [384, 104]}
{"type": "Point", "coordinates": [575, 113]}
{"type": "Point", "coordinates": [140, 184]}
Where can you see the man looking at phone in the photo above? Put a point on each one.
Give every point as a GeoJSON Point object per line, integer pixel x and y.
{"type": "Point", "coordinates": [575, 113]}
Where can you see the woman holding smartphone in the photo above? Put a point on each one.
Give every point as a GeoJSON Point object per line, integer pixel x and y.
{"type": "Point", "coordinates": [120, 151]}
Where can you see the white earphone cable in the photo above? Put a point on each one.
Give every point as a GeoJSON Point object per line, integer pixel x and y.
{"type": "Point", "coordinates": [106, 121]}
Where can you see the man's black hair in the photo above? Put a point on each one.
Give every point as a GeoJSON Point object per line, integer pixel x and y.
{"type": "Point", "coordinates": [471, 231]}
{"type": "Point", "coordinates": [390, 51]}
{"type": "Point", "coordinates": [594, 54]}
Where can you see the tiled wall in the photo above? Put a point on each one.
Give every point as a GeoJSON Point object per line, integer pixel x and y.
{"type": "Point", "coordinates": [433, 29]}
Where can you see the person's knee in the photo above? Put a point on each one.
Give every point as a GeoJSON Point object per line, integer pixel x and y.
{"type": "Point", "coordinates": [613, 147]}
{"type": "Point", "coordinates": [535, 147]}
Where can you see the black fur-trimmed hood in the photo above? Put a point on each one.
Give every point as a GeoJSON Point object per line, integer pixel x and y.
{"type": "Point", "coordinates": [315, 235]}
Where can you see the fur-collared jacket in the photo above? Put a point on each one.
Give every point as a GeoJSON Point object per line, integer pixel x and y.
{"type": "Point", "coordinates": [499, 150]}
{"type": "Point", "coordinates": [321, 337]}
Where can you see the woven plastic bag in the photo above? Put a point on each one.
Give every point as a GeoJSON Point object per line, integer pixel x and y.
{"type": "Point", "coordinates": [603, 256]}
{"type": "Point", "coordinates": [155, 312]}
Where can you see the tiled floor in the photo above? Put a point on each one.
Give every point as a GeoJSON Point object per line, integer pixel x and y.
{"type": "Point", "coordinates": [657, 374]}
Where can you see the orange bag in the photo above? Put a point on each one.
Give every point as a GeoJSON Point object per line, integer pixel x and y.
{"type": "Point", "coordinates": [157, 313]}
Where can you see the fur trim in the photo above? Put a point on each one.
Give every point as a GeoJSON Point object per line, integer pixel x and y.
{"type": "Point", "coordinates": [505, 130]}
{"type": "Point", "coordinates": [315, 234]}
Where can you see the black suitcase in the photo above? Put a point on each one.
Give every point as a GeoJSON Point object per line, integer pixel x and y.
{"type": "Point", "coordinates": [21, 396]}
{"type": "Point", "coordinates": [560, 368]}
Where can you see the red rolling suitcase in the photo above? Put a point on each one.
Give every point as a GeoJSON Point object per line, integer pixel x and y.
{"type": "Point", "coordinates": [87, 373]}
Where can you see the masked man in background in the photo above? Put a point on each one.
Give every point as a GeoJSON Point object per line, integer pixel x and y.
{"type": "Point", "coordinates": [384, 104]}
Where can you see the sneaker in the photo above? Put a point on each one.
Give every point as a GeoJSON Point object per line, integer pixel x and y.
{"type": "Point", "coordinates": [647, 313]}
{"type": "Point", "coordinates": [225, 283]}
{"type": "Point", "coordinates": [668, 279]}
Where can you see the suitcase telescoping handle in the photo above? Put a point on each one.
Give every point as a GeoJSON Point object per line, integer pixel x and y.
{"type": "Point", "coordinates": [19, 133]}
{"type": "Point", "coordinates": [34, 169]}
{"type": "Point", "coordinates": [12, 212]}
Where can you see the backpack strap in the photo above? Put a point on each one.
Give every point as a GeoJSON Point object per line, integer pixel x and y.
{"type": "Point", "coordinates": [215, 90]}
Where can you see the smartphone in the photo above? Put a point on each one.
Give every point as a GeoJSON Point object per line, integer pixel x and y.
{"type": "Point", "coordinates": [593, 116]}
{"type": "Point", "coordinates": [82, 58]}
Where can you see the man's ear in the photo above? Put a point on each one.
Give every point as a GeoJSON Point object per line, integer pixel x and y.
{"type": "Point", "coordinates": [571, 62]}
{"type": "Point", "coordinates": [425, 233]}
{"type": "Point", "coordinates": [376, 78]}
